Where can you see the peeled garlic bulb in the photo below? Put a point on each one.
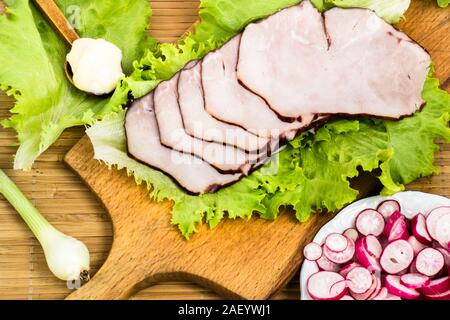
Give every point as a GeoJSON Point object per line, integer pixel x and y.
{"type": "Point", "coordinates": [96, 65]}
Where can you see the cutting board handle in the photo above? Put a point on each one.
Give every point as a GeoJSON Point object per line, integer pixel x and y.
{"type": "Point", "coordinates": [106, 286]}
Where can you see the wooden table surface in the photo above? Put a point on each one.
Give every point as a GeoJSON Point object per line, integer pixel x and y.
{"type": "Point", "coordinates": [61, 196]}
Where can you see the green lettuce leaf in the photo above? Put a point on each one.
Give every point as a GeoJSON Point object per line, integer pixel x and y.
{"type": "Point", "coordinates": [31, 66]}
{"type": "Point", "coordinates": [443, 3]}
{"type": "Point", "coordinates": [390, 10]}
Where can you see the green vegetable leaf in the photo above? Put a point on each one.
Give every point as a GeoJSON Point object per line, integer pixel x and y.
{"type": "Point", "coordinates": [390, 10]}
{"type": "Point", "coordinates": [31, 67]}
{"type": "Point", "coordinates": [443, 3]}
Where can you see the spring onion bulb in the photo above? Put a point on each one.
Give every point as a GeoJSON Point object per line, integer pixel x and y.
{"type": "Point", "coordinates": [67, 257]}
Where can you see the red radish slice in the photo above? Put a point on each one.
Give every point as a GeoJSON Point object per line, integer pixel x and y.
{"type": "Point", "coordinates": [370, 221]}
{"type": "Point", "coordinates": [347, 298]}
{"type": "Point", "coordinates": [325, 285]}
{"type": "Point", "coordinates": [312, 251]}
{"type": "Point", "coordinates": [429, 262]}
{"type": "Point", "coordinates": [388, 207]}
{"type": "Point", "coordinates": [378, 288]}
{"type": "Point", "coordinates": [368, 293]}
{"type": "Point", "coordinates": [390, 222]}
{"type": "Point", "coordinates": [433, 218]}
{"type": "Point", "coordinates": [365, 259]}
{"type": "Point", "coordinates": [412, 267]}
{"type": "Point", "coordinates": [396, 288]}
{"type": "Point", "coordinates": [326, 265]}
{"type": "Point", "coordinates": [439, 296]}
{"type": "Point", "coordinates": [360, 280]}
{"type": "Point", "coordinates": [446, 255]}
{"type": "Point", "coordinates": [443, 231]}
{"type": "Point", "coordinates": [351, 233]}
{"type": "Point", "coordinates": [336, 242]}
{"type": "Point", "coordinates": [396, 257]}
{"type": "Point", "coordinates": [345, 270]}
{"type": "Point", "coordinates": [414, 280]}
{"type": "Point", "coordinates": [382, 295]}
{"type": "Point", "coordinates": [341, 257]}
{"type": "Point", "coordinates": [373, 246]}
{"type": "Point", "coordinates": [399, 231]}
{"type": "Point", "coordinates": [438, 286]}
{"type": "Point", "coordinates": [419, 229]}
{"type": "Point", "coordinates": [416, 245]}
{"type": "Point", "coordinates": [392, 297]}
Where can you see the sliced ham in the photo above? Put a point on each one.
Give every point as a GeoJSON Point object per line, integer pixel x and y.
{"type": "Point", "coordinates": [227, 100]}
{"type": "Point", "coordinates": [200, 124]}
{"type": "Point", "coordinates": [224, 116]}
{"type": "Point", "coordinates": [192, 173]}
{"type": "Point", "coordinates": [173, 135]}
{"type": "Point", "coordinates": [348, 61]}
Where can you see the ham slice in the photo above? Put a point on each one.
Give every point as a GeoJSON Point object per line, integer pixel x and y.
{"type": "Point", "coordinates": [192, 173]}
{"type": "Point", "coordinates": [200, 124]}
{"type": "Point", "coordinates": [173, 135]}
{"type": "Point", "coordinates": [348, 61]}
{"type": "Point", "coordinates": [230, 102]}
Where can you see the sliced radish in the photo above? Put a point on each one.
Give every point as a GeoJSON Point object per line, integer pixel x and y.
{"type": "Point", "coordinates": [399, 230]}
{"type": "Point", "coordinates": [312, 251]}
{"type": "Point", "coordinates": [347, 298]}
{"type": "Point", "coordinates": [429, 262]}
{"type": "Point", "coordinates": [436, 287]}
{"type": "Point", "coordinates": [370, 221]}
{"type": "Point", "coordinates": [378, 287]}
{"type": "Point", "coordinates": [416, 245]}
{"type": "Point", "coordinates": [336, 242]}
{"type": "Point", "coordinates": [345, 270]}
{"type": "Point", "coordinates": [414, 280]}
{"type": "Point", "coordinates": [352, 234]}
{"type": "Point", "coordinates": [443, 231]}
{"type": "Point", "coordinates": [396, 288]}
{"type": "Point", "coordinates": [341, 257]}
{"type": "Point", "coordinates": [392, 297]}
{"type": "Point", "coordinates": [433, 219]}
{"type": "Point", "coordinates": [325, 285]}
{"type": "Point", "coordinates": [419, 229]}
{"type": "Point", "coordinates": [390, 222]}
{"type": "Point", "coordinates": [368, 293]}
{"type": "Point", "coordinates": [388, 207]}
{"type": "Point", "coordinates": [396, 257]}
{"type": "Point", "coordinates": [373, 246]}
{"type": "Point", "coordinates": [364, 258]}
{"type": "Point", "coordinates": [326, 265]}
{"type": "Point", "coordinates": [439, 296]}
{"type": "Point", "coordinates": [446, 255]}
{"type": "Point", "coordinates": [382, 295]}
{"type": "Point", "coordinates": [360, 280]}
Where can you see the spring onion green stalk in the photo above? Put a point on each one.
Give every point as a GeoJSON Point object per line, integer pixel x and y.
{"type": "Point", "coordinates": [67, 257]}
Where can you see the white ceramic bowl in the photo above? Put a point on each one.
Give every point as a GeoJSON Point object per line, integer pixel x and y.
{"type": "Point", "coordinates": [411, 203]}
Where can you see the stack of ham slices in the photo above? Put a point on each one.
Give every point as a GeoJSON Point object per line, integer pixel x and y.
{"type": "Point", "coordinates": [223, 116]}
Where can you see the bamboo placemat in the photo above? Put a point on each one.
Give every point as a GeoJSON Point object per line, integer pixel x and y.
{"type": "Point", "coordinates": [67, 203]}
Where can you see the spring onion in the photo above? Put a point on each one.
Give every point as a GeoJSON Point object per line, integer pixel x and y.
{"type": "Point", "coordinates": [67, 257]}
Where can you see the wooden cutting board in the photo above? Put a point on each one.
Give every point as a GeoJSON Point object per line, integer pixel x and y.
{"type": "Point", "coordinates": [239, 259]}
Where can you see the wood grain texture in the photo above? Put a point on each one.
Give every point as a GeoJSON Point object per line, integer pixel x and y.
{"type": "Point", "coordinates": [66, 202]}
